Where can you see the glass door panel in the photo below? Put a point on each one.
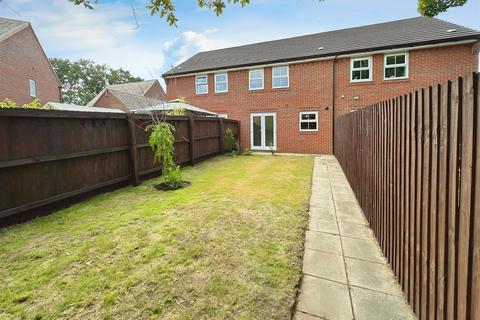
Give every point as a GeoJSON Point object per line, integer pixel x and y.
{"type": "Point", "coordinates": [263, 131]}
{"type": "Point", "coordinates": [269, 132]}
{"type": "Point", "coordinates": [257, 131]}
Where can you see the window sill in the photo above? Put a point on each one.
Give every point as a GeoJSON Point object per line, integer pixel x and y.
{"type": "Point", "coordinates": [281, 89]}
{"type": "Point", "coordinates": [361, 83]}
{"type": "Point", "coordinates": [396, 80]}
{"type": "Point", "coordinates": [256, 91]}
{"type": "Point", "coordinates": [308, 132]}
{"type": "Point", "coordinates": [220, 93]}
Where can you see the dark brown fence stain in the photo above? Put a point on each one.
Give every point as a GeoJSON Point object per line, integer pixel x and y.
{"type": "Point", "coordinates": [414, 164]}
{"type": "Point", "coordinates": [52, 156]}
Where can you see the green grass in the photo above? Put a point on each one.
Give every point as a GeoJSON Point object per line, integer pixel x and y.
{"type": "Point", "coordinates": [227, 247]}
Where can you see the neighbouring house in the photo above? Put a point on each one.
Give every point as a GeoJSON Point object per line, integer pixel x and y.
{"type": "Point", "coordinates": [130, 96]}
{"type": "Point", "coordinates": [25, 72]}
{"type": "Point", "coordinates": [286, 93]}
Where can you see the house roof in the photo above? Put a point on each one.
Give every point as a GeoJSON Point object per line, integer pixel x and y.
{"type": "Point", "coordinates": [131, 94]}
{"type": "Point", "coordinates": [173, 105]}
{"type": "Point", "coordinates": [390, 35]}
{"type": "Point", "coordinates": [74, 107]}
{"type": "Point", "coordinates": [9, 27]}
{"type": "Point", "coordinates": [138, 88]}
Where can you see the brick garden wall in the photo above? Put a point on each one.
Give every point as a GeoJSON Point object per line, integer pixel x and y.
{"type": "Point", "coordinates": [311, 90]}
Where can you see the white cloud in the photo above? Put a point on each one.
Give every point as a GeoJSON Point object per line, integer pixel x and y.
{"type": "Point", "coordinates": [108, 34]}
{"type": "Point", "coordinates": [189, 43]}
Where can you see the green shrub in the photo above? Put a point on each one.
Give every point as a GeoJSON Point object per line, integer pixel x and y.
{"type": "Point", "coordinates": [173, 177]}
{"type": "Point", "coordinates": [230, 144]}
{"type": "Point", "coordinates": [9, 103]}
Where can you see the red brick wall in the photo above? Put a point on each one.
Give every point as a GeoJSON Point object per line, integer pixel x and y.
{"type": "Point", "coordinates": [156, 92]}
{"type": "Point", "coordinates": [108, 100]}
{"type": "Point", "coordinates": [311, 90]}
{"type": "Point", "coordinates": [22, 58]}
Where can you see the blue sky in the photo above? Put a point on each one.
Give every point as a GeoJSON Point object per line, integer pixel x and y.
{"type": "Point", "coordinates": [109, 35]}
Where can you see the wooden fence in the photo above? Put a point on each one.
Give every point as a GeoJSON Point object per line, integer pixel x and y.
{"type": "Point", "coordinates": [53, 156]}
{"type": "Point", "coordinates": [414, 164]}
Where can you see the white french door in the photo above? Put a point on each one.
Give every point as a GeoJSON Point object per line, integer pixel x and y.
{"type": "Point", "coordinates": [263, 131]}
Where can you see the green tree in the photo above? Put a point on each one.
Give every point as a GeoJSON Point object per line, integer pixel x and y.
{"type": "Point", "coordinates": [83, 79]}
{"type": "Point", "coordinates": [431, 8]}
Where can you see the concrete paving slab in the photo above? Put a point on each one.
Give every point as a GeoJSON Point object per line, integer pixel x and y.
{"type": "Point", "coordinates": [324, 265]}
{"type": "Point", "coordinates": [329, 226]}
{"type": "Point", "coordinates": [371, 305]}
{"type": "Point", "coordinates": [354, 230]}
{"type": "Point", "coordinates": [327, 213]}
{"type": "Point", "coordinates": [374, 276]}
{"type": "Point", "coordinates": [325, 299]}
{"type": "Point", "coordinates": [363, 249]}
{"type": "Point", "coordinates": [303, 316]}
{"type": "Point", "coordinates": [323, 241]}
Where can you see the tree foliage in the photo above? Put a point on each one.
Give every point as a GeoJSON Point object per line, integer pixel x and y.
{"type": "Point", "coordinates": [81, 80]}
{"type": "Point", "coordinates": [166, 8]}
{"type": "Point", "coordinates": [431, 8]}
{"type": "Point", "coordinates": [9, 103]}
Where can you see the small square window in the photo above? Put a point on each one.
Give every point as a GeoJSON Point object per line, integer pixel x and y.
{"type": "Point", "coordinates": [201, 84]}
{"type": "Point", "coordinates": [221, 82]}
{"type": "Point", "coordinates": [396, 66]}
{"type": "Point", "coordinates": [32, 86]}
{"type": "Point", "coordinates": [280, 77]}
{"type": "Point", "coordinates": [361, 69]}
{"type": "Point", "coordinates": [255, 81]}
{"type": "Point", "coordinates": [309, 121]}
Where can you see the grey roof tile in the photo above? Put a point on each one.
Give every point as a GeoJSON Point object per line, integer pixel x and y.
{"type": "Point", "coordinates": [402, 33]}
{"type": "Point", "coordinates": [9, 27]}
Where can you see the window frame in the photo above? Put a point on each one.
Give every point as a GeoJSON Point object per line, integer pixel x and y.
{"type": "Point", "coordinates": [369, 68]}
{"type": "Point", "coordinates": [226, 81]}
{"type": "Point", "coordinates": [205, 84]}
{"type": "Point", "coordinates": [250, 79]}
{"type": "Point", "coordinates": [300, 120]}
{"type": "Point", "coordinates": [288, 77]}
{"type": "Point", "coordinates": [406, 65]}
{"type": "Point", "coordinates": [32, 84]}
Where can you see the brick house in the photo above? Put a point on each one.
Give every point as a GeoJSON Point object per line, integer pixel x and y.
{"type": "Point", "coordinates": [25, 72]}
{"type": "Point", "coordinates": [130, 96]}
{"type": "Point", "coordinates": [287, 92]}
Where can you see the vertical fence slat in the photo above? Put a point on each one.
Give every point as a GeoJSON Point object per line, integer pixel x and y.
{"type": "Point", "coordinates": [412, 198]}
{"type": "Point", "coordinates": [433, 202]}
{"type": "Point", "coordinates": [475, 262]}
{"type": "Point", "coordinates": [442, 199]}
{"type": "Point", "coordinates": [407, 255]}
{"type": "Point", "coordinates": [452, 199]}
{"type": "Point", "coordinates": [464, 222]}
{"type": "Point", "coordinates": [418, 203]}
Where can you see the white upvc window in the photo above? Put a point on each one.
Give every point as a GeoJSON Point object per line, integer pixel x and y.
{"type": "Point", "coordinates": [396, 66]}
{"type": "Point", "coordinates": [201, 84]}
{"type": "Point", "coordinates": [280, 77]}
{"type": "Point", "coordinates": [32, 86]}
{"type": "Point", "coordinates": [361, 69]}
{"type": "Point", "coordinates": [255, 79]}
{"type": "Point", "coordinates": [221, 82]}
{"type": "Point", "coordinates": [308, 121]}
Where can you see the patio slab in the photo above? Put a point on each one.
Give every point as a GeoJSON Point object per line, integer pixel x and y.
{"type": "Point", "coordinates": [345, 275]}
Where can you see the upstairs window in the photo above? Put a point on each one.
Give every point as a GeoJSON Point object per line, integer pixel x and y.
{"type": "Point", "coordinates": [221, 82]}
{"type": "Point", "coordinates": [309, 121]}
{"type": "Point", "coordinates": [32, 86]}
{"type": "Point", "coordinates": [280, 77]}
{"type": "Point", "coordinates": [201, 84]}
{"type": "Point", "coordinates": [396, 66]}
{"type": "Point", "coordinates": [255, 79]}
{"type": "Point", "coordinates": [361, 69]}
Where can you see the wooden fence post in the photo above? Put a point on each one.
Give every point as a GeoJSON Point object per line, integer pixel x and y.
{"type": "Point", "coordinates": [191, 138]}
{"type": "Point", "coordinates": [221, 131]}
{"type": "Point", "coordinates": [133, 150]}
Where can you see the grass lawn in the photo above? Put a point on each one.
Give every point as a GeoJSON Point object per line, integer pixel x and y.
{"type": "Point", "coordinates": [227, 247]}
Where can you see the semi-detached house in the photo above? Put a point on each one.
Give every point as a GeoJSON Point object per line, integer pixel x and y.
{"type": "Point", "coordinates": [286, 93]}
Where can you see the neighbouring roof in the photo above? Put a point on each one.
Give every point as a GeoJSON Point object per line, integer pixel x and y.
{"type": "Point", "coordinates": [173, 105]}
{"type": "Point", "coordinates": [74, 107]}
{"type": "Point", "coordinates": [9, 27]}
{"type": "Point", "coordinates": [390, 35]}
{"type": "Point", "coordinates": [138, 88]}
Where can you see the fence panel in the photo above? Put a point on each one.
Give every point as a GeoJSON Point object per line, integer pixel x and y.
{"type": "Point", "coordinates": [414, 164]}
{"type": "Point", "coordinates": [47, 157]}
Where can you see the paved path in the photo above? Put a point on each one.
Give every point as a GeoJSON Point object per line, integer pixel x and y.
{"type": "Point", "coordinates": [345, 275]}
